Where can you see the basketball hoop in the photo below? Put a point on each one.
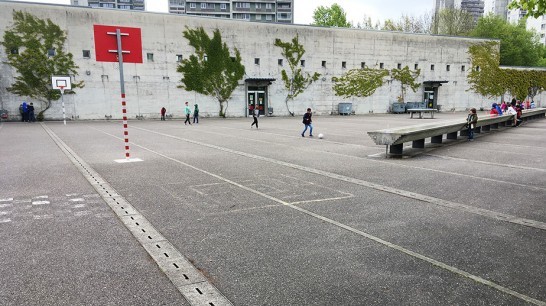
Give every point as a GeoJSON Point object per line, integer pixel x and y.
{"type": "Point", "coordinates": [62, 89]}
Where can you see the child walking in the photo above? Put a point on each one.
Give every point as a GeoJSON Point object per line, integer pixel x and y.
{"type": "Point", "coordinates": [187, 110]}
{"type": "Point", "coordinates": [196, 114]}
{"type": "Point", "coordinates": [255, 115]}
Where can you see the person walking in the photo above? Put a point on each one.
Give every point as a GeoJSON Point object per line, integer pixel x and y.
{"type": "Point", "coordinates": [471, 121]}
{"type": "Point", "coordinates": [187, 111]}
{"type": "Point", "coordinates": [307, 121]}
{"type": "Point", "coordinates": [25, 111]}
{"type": "Point", "coordinates": [255, 115]}
{"type": "Point", "coordinates": [163, 112]}
{"type": "Point", "coordinates": [31, 117]}
{"type": "Point", "coordinates": [196, 114]}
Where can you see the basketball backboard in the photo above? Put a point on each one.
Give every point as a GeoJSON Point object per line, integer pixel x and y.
{"type": "Point", "coordinates": [61, 82]}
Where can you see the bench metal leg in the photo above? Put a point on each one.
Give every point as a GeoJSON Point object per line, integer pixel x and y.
{"type": "Point", "coordinates": [420, 115]}
{"type": "Point", "coordinates": [418, 144]}
{"type": "Point", "coordinates": [411, 115]}
{"type": "Point", "coordinates": [452, 135]}
{"type": "Point", "coordinates": [432, 115]}
{"type": "Point", "coordinates": [396, 149]}
{"type": "Point", "coordinates": [437, 139]}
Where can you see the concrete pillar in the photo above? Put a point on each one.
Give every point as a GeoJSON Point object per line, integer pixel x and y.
{"type": "Point", "coordinates": [486, 128]}
{"type": "Point", "coordinates": [452, 135]}
{"type": "Point", "coordinates": [464, 132]}
{"type": "Point", "coordinates": [396, 149]}
{"type": "Point", "coordinates": [503, 124]}
{"type": "Point", "coordinates": [509, 122]}
{"type": "Point", "coordinates": [495, 126]}
{"type": "Point", "coordinates": [436, 139]}
{"type": "Point", "coordinates": [419, 144]}
{"type": "Point", "coordinates": [478, 129]}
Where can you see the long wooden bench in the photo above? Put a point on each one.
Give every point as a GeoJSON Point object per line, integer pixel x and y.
{"type": "Point", "coordinates": [395, 138]}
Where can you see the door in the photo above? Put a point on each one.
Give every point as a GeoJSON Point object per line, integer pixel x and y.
{"type": "Point", "coordinates": [430, 101]}
{"type": "Point", "coordinates": [256, 99]}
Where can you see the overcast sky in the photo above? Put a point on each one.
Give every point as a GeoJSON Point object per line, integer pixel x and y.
{"type": "Point", "coordinates": [356, 9]}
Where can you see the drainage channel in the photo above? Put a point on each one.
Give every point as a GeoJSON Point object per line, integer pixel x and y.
{"type": "Point", "coordinates": [186, 278]}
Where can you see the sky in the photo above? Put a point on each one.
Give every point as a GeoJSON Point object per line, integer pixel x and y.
{"type": "Point", "coordinates": [303, 14]}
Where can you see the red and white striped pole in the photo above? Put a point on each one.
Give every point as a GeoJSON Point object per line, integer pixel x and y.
{"type": "Point", "coordinates": [125, 125]}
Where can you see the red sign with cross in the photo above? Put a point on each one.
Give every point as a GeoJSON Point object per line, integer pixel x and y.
{"type": "Point", "coordinates": [106, 45]}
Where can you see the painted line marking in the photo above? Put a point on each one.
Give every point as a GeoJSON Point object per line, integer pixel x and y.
{"type": "Point", "coordinates": [358, 232]}
{"type": "Point", "coordinates": [77, 200]}
{"type": "Point", "coordinates": [3, 213]}
{"type": "Point", "coordinates": [41, 197]}
{"type": "Point", "coordinates": [321, 200]}
{"type": "Point", "coordinates": [6, 200]}
{"type": "Point", "coordinates": [40, 202]}
{"type": "Point", "coordinates": [412, 195]}
{"type": "Point", "coordinates": [146, 233]}
{"type": "Point", "coordinates": [5, 205]}
{"type": "Point", "coordinates": [5, 220]}
{"type": "Point", "coordinates": [488, 163]}
{"type": "Point", "coordinates": [41, 217]}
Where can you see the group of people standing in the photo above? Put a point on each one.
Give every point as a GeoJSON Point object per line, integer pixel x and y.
{"type": "Point", "coordinates": [187, 112]}
{"type": "Point", "coordinates": [27, 112]}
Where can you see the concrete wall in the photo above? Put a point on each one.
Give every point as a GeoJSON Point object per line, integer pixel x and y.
{"type": "Point", "coordinates": [151, 85]}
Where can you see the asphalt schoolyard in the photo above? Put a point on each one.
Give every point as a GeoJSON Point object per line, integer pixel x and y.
{"type": "Point", "coordinates": [220, 213]}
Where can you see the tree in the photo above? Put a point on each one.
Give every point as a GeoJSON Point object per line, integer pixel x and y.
{"type": "Point", "coordinates": [407, 78]}
{"type": "Point", "coordinates": [452, 21]}
{"type": "Point", "coordinates": [333, 16]}
{"type": "Point", "coordinates": [34, 47]}
{"type": "Point", "coordinates": [359, 82]}
{"type": "Point", "coordinates": [518, 47]}
{"type": "Point", "coordinates": [295, 80]}
{"type": "Point", "coordinates": [211, 71]}
{"type": "Point", "coordinates": [534, 8]}
{"type": "Point", "coordinates": [407, 24]}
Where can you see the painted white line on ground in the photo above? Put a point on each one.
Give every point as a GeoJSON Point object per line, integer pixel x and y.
{"type": "Point", "coordinates": [355, 231]}
{"type": "Point", "coordinates": [184, 276]}
{"type": "Point", "coordinates": [5, 205]}
{"type": "Point", "coordinates": [5, 220]}
{"type": "Point", "coordinates": [40, 202]}
{"type": "Point", "coordinates": [487, 163]}
{"type": "Point", "coordinates": [6, 200]}
{"type": "Point", "coordinates": [424, 198]}
{"type": "Point", "coordinates": [321, 200]}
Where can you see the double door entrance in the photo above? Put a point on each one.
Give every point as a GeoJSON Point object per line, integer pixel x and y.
{"type": "Point", "coordinates": [256, 99]}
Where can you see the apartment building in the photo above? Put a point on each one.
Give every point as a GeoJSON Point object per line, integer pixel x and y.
{"type": "Point", "coordinates": [113, 4]}
{"type": "Point", "coordinates": [474, 7]}
{"type": "Point", "coordinates": [250, 10]}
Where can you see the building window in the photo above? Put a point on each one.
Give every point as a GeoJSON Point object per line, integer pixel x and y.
{"type": "Point", "coordinates": [223, 6]}
{"type": "Point", "coordinates": [258, 17]}
{"type": "Point", "coordinates": [179, 58]}
{"type": "Point", "coordinates": [431, 67]}
{"type": "Point", "coordinates": [279, 61]}
{"type": "Point", "coordinates": [463, 68]}
{"type": "Point", "coordinates": [124, 7]}
{"type": "Point", "coordinates": [242, 5]}
{"type": "Point", "coordinates": [399, 66]}
{"type": "Point", "coordinates": [203, 5]}
{"type": "Point", "coordinates": [150, 57]}
{"type": "Point", "coordinates": [477, 68]}
{"type": "Point", "coordinates": [323, 64]}
{"type": "Point", "coordinates": [381, 65]}
{"type": "Point", "coordinates": [51, 52]}
{"type": "Point", "coordinates": [241, 16]}
{"type": "Point", "coordinates": [268, 6]}
{"type": "Point", "coordinates": [343, 65]}
{"type": "Point", "coordinates": [362, 65]}
{"type": "Point", "coordinates": [302, 63]}
{"type": "Point", "coordinates": [193, 5]}
{"type": "Point", "coordinates": [256, 61]}
{"type": "Point", "coordinates": [416, 66]}
{"type": "Point", "coordinates": [448, 68]}
{"type": "Point", "coordinates": [268, 17]}
{"type": "Point", "coordinates": [543, 26]}
{"type": "Point", "coordinates": [86, 54]}
{"type": "Point", "coordinates": [258, 6]}
{"type": "Point", "coordinates": [14, 51]}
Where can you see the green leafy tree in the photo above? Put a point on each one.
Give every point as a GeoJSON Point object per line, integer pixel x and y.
{"type": "Point", "coordinates": [518, 47]}
{"type": "Point", "coordinates": [452, 21]}
{"type": "Point", "coordinates": [407, 78]}
{"type": "Point", "coordinates": [212, 70]}
{"type": "Point", "coordinates": [295, 80]}
{"type": "Point", "coordinates": [34, 47]}
{"type": "Point", "coordinates": [534, 8]}
{"type": "Point", "coordinates": [359, 82]}
{"type": "Point", "coordinates": [485, 77]}
{"type": "Point", "coordinates": [333, 16]}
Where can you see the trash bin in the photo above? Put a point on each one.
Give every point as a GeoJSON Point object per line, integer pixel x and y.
{"type": "Point", "coordinates": [270, 111]}
{"type": "Point", "coordinates": [398, 108]}
{"type": "Point", "coordinates": [345, 108]}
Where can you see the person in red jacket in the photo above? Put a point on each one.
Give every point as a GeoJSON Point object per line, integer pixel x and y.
{"type": "Point", "coordinates": [163, 112]}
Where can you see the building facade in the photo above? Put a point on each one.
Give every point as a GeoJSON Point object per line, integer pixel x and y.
{"type": "Point", "coordinates": [138, 5]}
{"type": "Point", "coordinates": [281, 11]}
{"type": "Point", "coordinates": [496, 7]}
{"type": "Point", "coordinates": [443, 62]}
{"type": "Point", "coordinates": [474, 7]}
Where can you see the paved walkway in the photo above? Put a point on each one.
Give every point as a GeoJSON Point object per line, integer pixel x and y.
{"type": "Point", "coordinates": [221, 213]}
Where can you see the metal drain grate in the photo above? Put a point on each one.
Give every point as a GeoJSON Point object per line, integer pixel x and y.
{"type": "Point", "coordinates": [188, 280]}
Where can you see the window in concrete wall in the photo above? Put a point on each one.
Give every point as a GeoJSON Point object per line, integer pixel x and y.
{"type": "Point", "coordinates": [51, 52]}
{"type": "Point", "coordinates": [233, 59]}
{"type": "Point", "coordinates": [150, 57]}
{"type": "Point", "coordinates": [179, 58]}
{"type": "Point", "coordinates": [362, 65]}
{"type": "Point", "coordinates": [14, 51]}
{"type": "Point", "coordinates": [448, 67]}
{"type": "Point", "coordinates": [323, 64]}
{"type": "Point", "coordinates": [302, 63]}
{"type": "Point", "coordinates": [258, 17]}
{"type": "Point", "coordinates": [432, 67]}
{"type": "Point", "coordinates": [86, 54]}
{"type": "Point", "coordinates": [203, 5]}
{"type": "Point", "coordinates": [193, 5]}
{"type": "Point", "coordinates": [256, 61]}
{"type": "Point", "coordinates": [343, 65]}
{"type": "Point", "coordinates": [268, 17]}
{"type": "Point", "coordinates": [463, 68]}
{"type": "Point", "coordinates": [381, 65]}
{"type": "Point", "coordinates": [223, 6]}
{"type": "Point", "coordinates": [416, 66]}
{"type": "Point", "coordinates": [399, 66]}
{"type": "Point", "coordinates": [104, 77]}
{"type": "Point", "coordinates": [279, 61]}
{"type": "Point", "coordinates": [477, 68]}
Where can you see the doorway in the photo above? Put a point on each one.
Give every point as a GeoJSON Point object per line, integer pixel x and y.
{"type": "Point", "coordinates": [430, 97]}
{"type": "Point", "coordinates": [256, 99]}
